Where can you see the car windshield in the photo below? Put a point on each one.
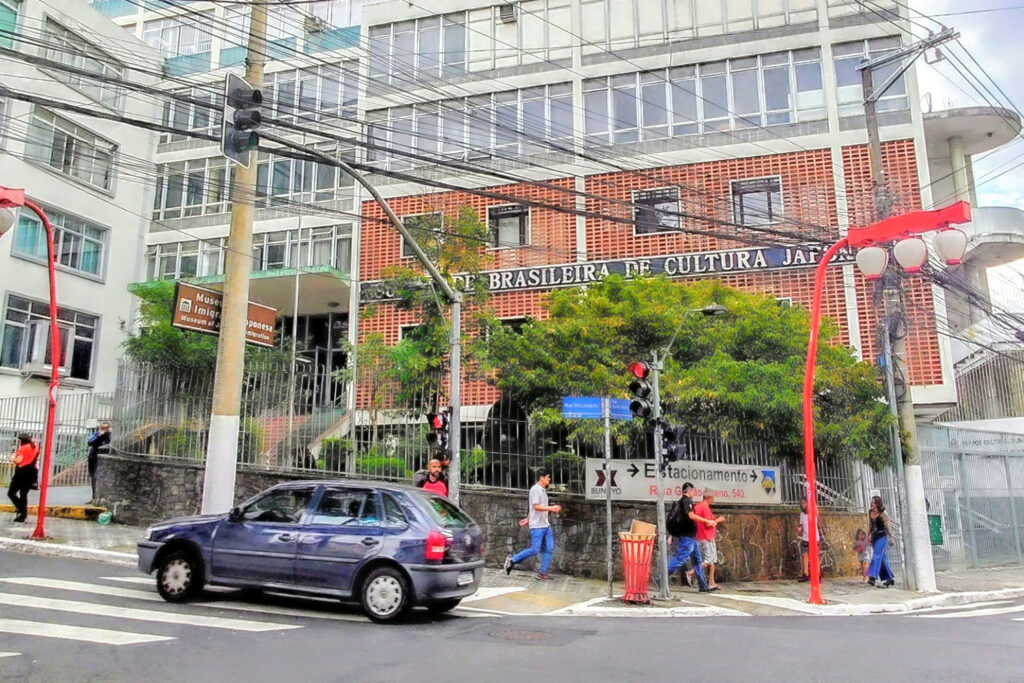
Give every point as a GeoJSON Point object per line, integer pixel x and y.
{"type": "Point", "coordinates": [445, 513]}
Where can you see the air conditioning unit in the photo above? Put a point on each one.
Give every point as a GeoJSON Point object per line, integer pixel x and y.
{"type": "Point", "coordinates": [38, 343]}
{"type": "Point", "coordinates": [314, 24]}
{"type": "Point", "coordinates": [508, 13]}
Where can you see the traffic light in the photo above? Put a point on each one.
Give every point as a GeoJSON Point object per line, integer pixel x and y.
{"type": "Point", "coordinates": [437, 437]}
{"type": "Point", "coordinates": [640, 406]}
{"type": "Point", "coordinates": [242, 118]}
{"type": "Point", "coordinates": [672, 443]}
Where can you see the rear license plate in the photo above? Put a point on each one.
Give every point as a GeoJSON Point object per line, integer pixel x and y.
{"type": "Point", "coordinates": [465, 578]}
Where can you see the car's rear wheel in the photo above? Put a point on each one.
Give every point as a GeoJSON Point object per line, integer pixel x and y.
{"type": "Point", "coordinates": [442, 606]}
{"type": "Point", "coordinates": [179, 577]}
{"type": "Point", "coordinates": [385, 594]}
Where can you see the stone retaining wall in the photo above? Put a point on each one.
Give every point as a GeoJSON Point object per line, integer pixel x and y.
{"type": "Point", "coordinates": [753, 543]}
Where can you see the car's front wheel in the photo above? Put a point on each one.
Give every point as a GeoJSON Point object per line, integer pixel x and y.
{"type": "Point", "coordinates": [179, 577]}
{"type": "Point", "coordinates": [385, 594]}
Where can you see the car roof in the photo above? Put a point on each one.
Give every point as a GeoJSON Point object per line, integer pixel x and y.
{"type": "Point", "coordinates": [360, 483]}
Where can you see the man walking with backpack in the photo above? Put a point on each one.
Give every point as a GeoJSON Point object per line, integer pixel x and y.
{"type": "Point", "coordinates": [682, 525]}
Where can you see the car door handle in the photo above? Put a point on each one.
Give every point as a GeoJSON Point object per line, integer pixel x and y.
{"type": "Point", "coordinates": [286, 537]}
{"type": "Point", "coordinates": [370, 541]}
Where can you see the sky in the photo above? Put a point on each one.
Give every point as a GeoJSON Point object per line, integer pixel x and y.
{"type": "Point", "coordinates": [992, 38]}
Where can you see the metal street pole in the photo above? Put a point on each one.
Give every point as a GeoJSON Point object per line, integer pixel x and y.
{"type": "Point", "coordinates": [10, 199]}
{"type": "Point", "coordinates": [606, 411]}
{"type": "Point", "coordinates": [894, 444]}
{"type": "Point", "coordinates": [222, 447]}
{"type": "Point", "coordinates": [662, 530]}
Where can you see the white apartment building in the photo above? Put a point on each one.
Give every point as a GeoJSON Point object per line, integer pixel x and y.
{"type": "Point", "coordinates": [94, 179]}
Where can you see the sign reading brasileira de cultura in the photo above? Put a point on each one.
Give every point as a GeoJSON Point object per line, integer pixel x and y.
{"type": "Point", "coordinates": [694, 264]}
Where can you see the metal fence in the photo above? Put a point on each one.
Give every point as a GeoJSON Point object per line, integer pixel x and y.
{"type": "Point", "coordinates": [78, 414]}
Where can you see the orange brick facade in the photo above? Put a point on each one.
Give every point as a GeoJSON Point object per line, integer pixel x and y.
{"type": "Point", "coordinates": [809, 196]}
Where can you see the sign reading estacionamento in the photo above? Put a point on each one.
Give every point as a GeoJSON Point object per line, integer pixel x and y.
{"type": "Point", "coordinates": [730, 484]}
{"type": "Point", "coordinates": [198, 309]}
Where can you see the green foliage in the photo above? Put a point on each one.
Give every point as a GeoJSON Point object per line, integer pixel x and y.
{"type": "Point", "coordinates": [739, 374]}
{"type": "Point", "coordinates": [374, 464]}
{"type": "Point", "coordinates": [333, 451]}
{"type": "Point", "coordinates": [471, 463]}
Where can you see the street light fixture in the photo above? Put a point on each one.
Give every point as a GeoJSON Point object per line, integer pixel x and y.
{"type": "Point", "coordinates": [911, 253]}
{"type": "Point", "coordinates": [10, 200]}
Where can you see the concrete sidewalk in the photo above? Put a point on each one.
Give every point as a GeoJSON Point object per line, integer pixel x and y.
{"type": "Point", "coordinates": [521, 594]}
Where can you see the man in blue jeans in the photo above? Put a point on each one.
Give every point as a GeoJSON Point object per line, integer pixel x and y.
{"type": "Point", "coordinates": [685, 532]}
{"type": "Point", "coordinates": [542, 541]}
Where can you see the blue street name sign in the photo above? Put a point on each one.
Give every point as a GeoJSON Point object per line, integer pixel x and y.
{"type": "Point", "coordinates": [581, 407]}
{"type": "Point", "coordinates": [589, 408]}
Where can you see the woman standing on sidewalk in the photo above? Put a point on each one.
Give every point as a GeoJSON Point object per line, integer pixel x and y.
{"type": "Point", "coordinates": [879, 568]}
{"type": "Point", "coordinates": [25, 474]}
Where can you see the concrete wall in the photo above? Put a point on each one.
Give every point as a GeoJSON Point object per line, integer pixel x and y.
{"type": "Point", "coordinates": [755, 544]}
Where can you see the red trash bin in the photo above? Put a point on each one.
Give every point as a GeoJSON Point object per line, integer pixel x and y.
{"type": "Point", "coordinates": [637, 550]}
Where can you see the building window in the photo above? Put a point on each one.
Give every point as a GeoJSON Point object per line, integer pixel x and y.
{"type": "Point", "coordinates": [757, 201]}
{"type": "Point", "coordinates": [509, 225]}
{"type": "Point", "coordinates": [318, 93]}
{"type": "Point", "coordinates": [80, 246]}
{"type": "Point", "coordinates": [427, 229]}
{"type": "Point", "coordinates": [281, 179]}
{"type": "Point", "coordinates": [656, 211]}
{"type": "Point", "coordinates": [849, 90]}
{"type": "Point", "coordinates": [505, 124]}
{"type": "Point", "coordinates": [15, 342]}
{"type": "Point", "coordinates": [197, 111]}
{"type": "Point", "coordinates": [70, 149]}
{"type": "Point", "coordinates": [72, 50]}
{"type": "Point", "coordinates": [771, 89]}
{"type": "Point", "coordinates": [431, 47]}
{"type": "Point", "coordinates": [8, 22]}
{"type": "Point", "coordinates": [191, 188]}
{"type": "Point", "coordinates": [339, 13]}
{"type": "Point", "coordinates": [179, 36]}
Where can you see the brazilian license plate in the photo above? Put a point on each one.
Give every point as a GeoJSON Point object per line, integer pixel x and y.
{"type": "Point", "coordinates": [465, 578]}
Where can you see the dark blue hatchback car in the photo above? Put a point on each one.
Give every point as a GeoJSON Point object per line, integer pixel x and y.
{"type": "Point", "coordinates": [386, 547]}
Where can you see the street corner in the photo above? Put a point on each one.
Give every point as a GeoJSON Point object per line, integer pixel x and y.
{"type": "Point", "coordinates": [656, 608]}
{"type": "Point", "coordinates": [519, 600]}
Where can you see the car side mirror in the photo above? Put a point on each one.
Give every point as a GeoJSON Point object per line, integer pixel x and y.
{"type": "Point", "coordinates": [235, 515]}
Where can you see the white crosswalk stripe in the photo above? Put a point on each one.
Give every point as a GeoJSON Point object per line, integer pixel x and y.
{"type": "Point", "coordinates": [82, 633]}
{"type": "Point", "coordinates": [9, 654]}
{"type": "Point", "coordinates": [114, 591]}
{"type": "Point", "coordinates": [99, 609]}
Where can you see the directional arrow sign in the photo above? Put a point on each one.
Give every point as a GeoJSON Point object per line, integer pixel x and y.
{"type": "Point", "coordinates": [730, 484]}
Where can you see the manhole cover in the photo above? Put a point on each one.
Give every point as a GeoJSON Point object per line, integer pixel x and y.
{"type": "Point", "coordinates": [521, 636]}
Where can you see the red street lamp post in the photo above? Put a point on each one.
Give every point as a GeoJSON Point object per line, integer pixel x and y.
{"type": "Point", "coordinates": [911, 252]}
{"type": "Point", "coordinates": [11, 199]}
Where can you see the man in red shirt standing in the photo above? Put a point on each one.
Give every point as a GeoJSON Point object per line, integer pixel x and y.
{"type": "Point", "coordinates": [435, 480]}
{"type": "Point", "coordinates": [706, 537]}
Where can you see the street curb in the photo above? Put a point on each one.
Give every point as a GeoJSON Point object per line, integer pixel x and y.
{"type": "Point", "coordinates": [68, 551]}
{"type": "Point", "coordinates": [590, 608]}
{"type": "Point", "coordinates": [913, 604]}
{"type": "Point", "coordinates": [85, 513]}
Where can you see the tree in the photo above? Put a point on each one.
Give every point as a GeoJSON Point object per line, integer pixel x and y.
{"type": "Point", "coordinates": [738, 375]}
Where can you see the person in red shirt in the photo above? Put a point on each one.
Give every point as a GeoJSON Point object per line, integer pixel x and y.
{"type": "Point", "coordinates": [435, 480]}
{"type": "Point", "coordinates": [24, 477]}
{"type": "Point", "coordinates": [706, 537]}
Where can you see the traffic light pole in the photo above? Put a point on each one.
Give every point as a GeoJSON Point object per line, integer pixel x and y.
{"type": "Point", "coordinates": [222, 446]}
{"type": "Point", "coordinates": [662, 524]}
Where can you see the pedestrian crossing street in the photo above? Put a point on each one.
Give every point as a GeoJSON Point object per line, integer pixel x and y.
{"type": "Point", "coordinates": [127, 610]}
{"type": "Point", "coordinates": [992, 608]}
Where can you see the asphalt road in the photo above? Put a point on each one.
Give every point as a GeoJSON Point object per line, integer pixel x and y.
{"type": "Point", "coordinates": [71, 620]}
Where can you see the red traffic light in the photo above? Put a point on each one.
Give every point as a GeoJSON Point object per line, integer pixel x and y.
{"type": "Point", "coordinates": [435, 421]}
{"type": "Point", "coordinates": [639, 369]}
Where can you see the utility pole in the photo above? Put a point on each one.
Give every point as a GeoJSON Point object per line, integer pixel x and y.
{"type": "Point", "coordinates": [917, 545]}
{"type": "Point", "coordinates": [222, 447]}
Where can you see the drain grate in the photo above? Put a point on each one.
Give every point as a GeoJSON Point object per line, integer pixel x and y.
{"type": "Point", "coordinates": [522, 636]}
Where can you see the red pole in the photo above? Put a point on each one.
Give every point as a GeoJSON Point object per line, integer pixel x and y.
{"type": "Point", "coordinates": [808, 403]}
{"type": "Point", "coordinates": [55, 358]}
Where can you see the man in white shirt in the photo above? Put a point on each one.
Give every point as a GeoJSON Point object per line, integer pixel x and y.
{"type": "Point", "coordinates": [542, 540]}
{"type": "Point", "coordinates": [805, 543]}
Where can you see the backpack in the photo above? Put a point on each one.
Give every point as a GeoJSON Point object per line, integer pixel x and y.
{"type": "Point", "coordinates": [675, 524]}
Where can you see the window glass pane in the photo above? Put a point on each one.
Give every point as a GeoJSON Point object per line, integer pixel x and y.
{"type": "Point", "coordinates": [454, 44]}
{"type": "Point", "coordinates": [595, 104]}
{"type": "Point", "coordinates": [656, 210]}
{"type": "Point", "coordinates": [430, 46]}
{"type": "Point", "coordinates": [655, 108]}
{"type": "Point", "coordinates": [624, 106]}
{"type": "Point", "coordinates": [746, 98]}
{"type": "Point", "coordinates": [715, 99]}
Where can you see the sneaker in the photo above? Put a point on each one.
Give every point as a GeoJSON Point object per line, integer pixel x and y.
{"type": "Point", "coordinates": [712, 589]}
{"type": "Point", "coordinates": [871, 581]}
{"type": "Point", "coordinates": [508, 565]}
{"type": "Point", "coordinates": [705, 589]}
{"type": "Point", "coordinates": [888, 583]}
{"type": "Point", "coordinates": [803, 578]}
{"type": "Point", "coordinates": [544, 577]}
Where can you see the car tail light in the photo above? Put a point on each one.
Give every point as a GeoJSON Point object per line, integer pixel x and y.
{"type": "Point", "coordinates": [437, 543]}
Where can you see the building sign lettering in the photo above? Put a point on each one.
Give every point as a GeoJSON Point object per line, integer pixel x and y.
{"type": "Point", "coordinates": [198, 310]}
